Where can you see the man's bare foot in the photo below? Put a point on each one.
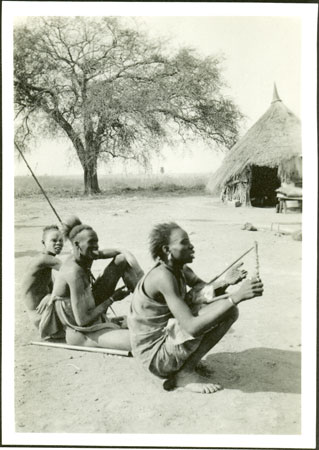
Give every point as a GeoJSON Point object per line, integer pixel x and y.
{"type": "Point", "coordinates": [194, 382]}
{"type": "Point", "coordinates": [203, 369]}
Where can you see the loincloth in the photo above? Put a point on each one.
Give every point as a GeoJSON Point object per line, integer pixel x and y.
{"type": "Point", "coordinates": [64, 312]}
{"type": "Point", "coordinates": [175, 349]}
{"type": "Point", "coordinates": [36, 315]}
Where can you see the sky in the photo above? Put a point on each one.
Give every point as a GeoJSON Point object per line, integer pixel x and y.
{"type": "Point", "coordinates": [258, 51]}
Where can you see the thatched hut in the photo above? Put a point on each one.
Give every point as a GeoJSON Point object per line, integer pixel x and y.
{"type": "Point", "coordinates": [267, 155]}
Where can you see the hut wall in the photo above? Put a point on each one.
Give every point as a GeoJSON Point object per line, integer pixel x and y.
{"type": "Point", "coordinates": [291, 171]}
{"type": "Point", "coordinates": [238, 189]}
{"type": "Point", "coordinates": [257, 185]}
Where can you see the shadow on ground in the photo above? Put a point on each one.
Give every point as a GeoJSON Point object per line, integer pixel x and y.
{"type": "Point", "coordinates": [258, 370]}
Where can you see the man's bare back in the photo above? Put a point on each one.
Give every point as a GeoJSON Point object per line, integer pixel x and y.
{"type": "Point", "coordinates": [38, 280]}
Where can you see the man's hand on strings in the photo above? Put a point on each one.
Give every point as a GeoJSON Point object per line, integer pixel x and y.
{"type": "Point", "coordinates": [253, 287]}
{"type": "Point", "coordinates": [235, 274]}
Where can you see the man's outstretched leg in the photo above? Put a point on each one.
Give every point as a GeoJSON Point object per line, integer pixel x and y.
{"type": "Point", "coordinates": [118, 268]}
{"type": "Point", "coordinates": [132, 271]}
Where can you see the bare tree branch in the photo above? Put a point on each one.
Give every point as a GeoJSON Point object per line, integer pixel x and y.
{"type": "Point", "coordinates": [113, 92]}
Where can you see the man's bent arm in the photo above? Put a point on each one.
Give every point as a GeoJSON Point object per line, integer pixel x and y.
{"type": "Point", "coordinates": [79, 300]}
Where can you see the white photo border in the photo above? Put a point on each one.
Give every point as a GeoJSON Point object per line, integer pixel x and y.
{"type": "Point", "coordinates": [308, 15]}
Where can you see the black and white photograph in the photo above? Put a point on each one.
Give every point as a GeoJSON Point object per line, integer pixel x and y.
{"type": "Point", "coordinates": [159, 224]}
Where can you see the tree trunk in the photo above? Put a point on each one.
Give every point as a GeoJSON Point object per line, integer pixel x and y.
{"type": "Point", "coordinates": [91, 184]}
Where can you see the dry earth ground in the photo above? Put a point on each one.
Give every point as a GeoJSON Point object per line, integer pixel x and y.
{"type": "Point", "coordinates": [258, 362]}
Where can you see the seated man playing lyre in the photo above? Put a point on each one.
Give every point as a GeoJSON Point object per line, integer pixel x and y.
{"type": "Point", "coordinates": [170, 332]}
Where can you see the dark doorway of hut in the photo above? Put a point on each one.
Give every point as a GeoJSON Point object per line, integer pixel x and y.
{"type": "Point", "coordinates": [264, 182]}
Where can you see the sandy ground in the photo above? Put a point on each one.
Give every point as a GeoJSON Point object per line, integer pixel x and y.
{"type": "Point", "coordinates": [258, 362]}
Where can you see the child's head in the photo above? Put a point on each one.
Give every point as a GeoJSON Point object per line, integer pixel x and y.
{"type": "Point", "coordinates": [52, 239]}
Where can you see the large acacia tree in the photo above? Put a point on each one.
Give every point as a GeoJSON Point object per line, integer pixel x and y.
{"type": "Point", "coordinates": [114, 92]}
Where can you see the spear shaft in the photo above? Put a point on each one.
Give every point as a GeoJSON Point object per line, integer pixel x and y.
{"type": "Point", "coordinates": [82, 348]}
{"type": "Point", "coordinates": [37, 181]}
{"type": "Point", "coordinates": [45, 195]}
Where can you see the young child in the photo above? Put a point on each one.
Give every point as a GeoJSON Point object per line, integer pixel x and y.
{"type": "Point", "coordinates": [37, 284]}
{"type": "Point", "coordinates": [167, 336]}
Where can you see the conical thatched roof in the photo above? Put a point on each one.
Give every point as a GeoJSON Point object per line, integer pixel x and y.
{"type": "Point", "coordinates": [272, 140]}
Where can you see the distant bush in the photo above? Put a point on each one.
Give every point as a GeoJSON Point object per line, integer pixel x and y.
{"type": "Point", "coordinates": [147, 185]}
